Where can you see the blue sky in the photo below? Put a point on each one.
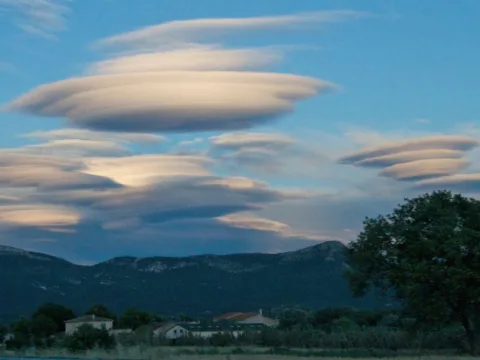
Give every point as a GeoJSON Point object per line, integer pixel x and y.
{"type": "Point", "coordinates": [405, 76]}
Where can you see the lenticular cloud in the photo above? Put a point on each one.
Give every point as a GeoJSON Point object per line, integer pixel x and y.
{"type": "Point", "coordinates": [167, 101]}
{"type": "Point", "coordinates": [194, 87]}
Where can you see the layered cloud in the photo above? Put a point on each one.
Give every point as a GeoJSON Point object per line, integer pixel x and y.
{"type": "Point", "coordinates": [185, 87]}
{"type": "Point", "coordinates": [151, 102]}
{"type": "Point", "coordinates": [197, 30]}
{"type": "Point", "coordinates": [270, 153]}
{"type": "Point", "coordinates": [416, 159]}
{"type": "Point", "coordinates": [65, 195]}
{"type": "Point", "coordinates": [198, 58]}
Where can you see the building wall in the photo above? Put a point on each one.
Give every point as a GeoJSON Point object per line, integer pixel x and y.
{"type": "Point", "coordinates": [259, 319]}
{"type": "Point", "coordinates": [173, 333]}
{"type": "Point", "coordinates": [70, 328]}
{"type": "Point", "coordinates": [209, 334]}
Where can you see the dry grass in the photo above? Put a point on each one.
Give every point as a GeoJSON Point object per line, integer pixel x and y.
{"type": "Point", "coordinates": [176, 353]}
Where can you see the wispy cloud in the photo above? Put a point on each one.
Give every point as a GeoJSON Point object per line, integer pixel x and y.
{"type": "Point", "coordinates": [197, 30]}
{"type": "Point", "coordinates": [43, 18]}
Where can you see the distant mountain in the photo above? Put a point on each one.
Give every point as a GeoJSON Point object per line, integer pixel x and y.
{"type": "Point", "coordinates": [195, 285]}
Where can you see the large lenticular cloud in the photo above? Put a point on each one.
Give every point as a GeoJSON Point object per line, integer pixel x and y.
{"type": "Point", "coordinates": [180, 101]}
{"type": "Point", "coordinates": [180, 86]}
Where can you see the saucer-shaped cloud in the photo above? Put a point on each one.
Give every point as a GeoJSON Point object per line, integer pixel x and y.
{"type": "Point", "coordinates": [196, 58]}
{"type": "Point", "coordinates": [417, 158]}
{"type": "Point", "coordinates": [79, 147]}
{"type": "Point", "coordinates": [408, 156]}
{"type": "Point", "coordinates": [190, 31]}
{"type": "Point", "coordinates": [435, 145]}
{"type": "Point", "coordinates": [261, 224]}
{"type": "Point", "coordinates": [238, 140]}
{"type": "Point", "coordinates": [424, 168]}
{"type": "Point", "coordinates": [468, 183]}
{"type": "Point", "coordinates": [88, 135]}
{"type": "Point", "coordinates": [171, 100]}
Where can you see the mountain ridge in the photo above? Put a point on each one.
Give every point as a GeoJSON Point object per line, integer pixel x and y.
{"type": "Point", "coordinates": [197, 285]}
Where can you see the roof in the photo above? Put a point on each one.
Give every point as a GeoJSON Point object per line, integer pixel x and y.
{"type": "Point", "coordinates": [88, 318]}
{"type": "Point", "coordinates": [235, 316]}
{"type": "Point", "coordinates": [223, 327]}
{"type": "Point", "coordinates": [163, 327]}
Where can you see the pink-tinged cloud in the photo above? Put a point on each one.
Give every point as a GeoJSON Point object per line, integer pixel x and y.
{"type": "Point", "coordinates": [424, 168]}
{"type": "Point", "coordinates": [464, 183]}
{"type": "Point", "coordinates": [173, 101]}
{"type": "Point", "coordinates": [415, 159]}
{"type": "Point", "coordinates": [196, 58]}
{"type": "Point", "coordinates": [38, 215]}
{"type": "Point", "coordinates": [144, 170]}
{"type": "Point", "coordinates": [455, 143]}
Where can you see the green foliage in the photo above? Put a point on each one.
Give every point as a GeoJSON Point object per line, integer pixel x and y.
{"type": "Point", "coordinates": [133, 318]}
{"type": "Point", "coordinates": [87, 337]}
{"type": "Point", "coordinates": [294, 318]}
{"type": "Point", "coordinates": [42, 329]}
{"type": "Point", "coordinates": [57, 313]}
{"type": "Point", "coordinates": [3, 333]}
{"type": "Point", "coordinates": [22, 334]}
{"type": "Point", "coordinates": [101, 310]}
{"type": "Point", "coordinates": [222, 339]}
{"type": "Point", "coordinates": [427, 251]}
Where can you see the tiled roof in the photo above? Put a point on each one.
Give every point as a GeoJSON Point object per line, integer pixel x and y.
{"type": "Point", "coordinates": [242, 316]}
{"type": "Point", "coordinates": [227, 315]}
{"type": "Point", "coordinates": [88, 318]}
{"type": "Point", "coordinates": [235, 316]}
{"type": "Point", "coordinates": [225, 327]}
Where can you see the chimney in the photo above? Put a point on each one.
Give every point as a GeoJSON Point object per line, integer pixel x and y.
{"type": "Point", "coordinates": [260, 312]}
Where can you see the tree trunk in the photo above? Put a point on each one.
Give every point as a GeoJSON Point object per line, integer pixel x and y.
{"type": "Point", "coordinates": [471, 335]}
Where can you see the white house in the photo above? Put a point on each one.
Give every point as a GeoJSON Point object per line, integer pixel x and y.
{"type": "Point", "coordinates": [207, 330]}
{"type": "Point", "coordinates": [169, 330]}
{"type": "Point", "coordinates": [248, 318]}
{"type": "Point", "coordinates": [95, 321]}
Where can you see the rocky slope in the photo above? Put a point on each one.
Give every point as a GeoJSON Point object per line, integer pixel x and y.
{"type": "Point", "coordinates": [196, 285]}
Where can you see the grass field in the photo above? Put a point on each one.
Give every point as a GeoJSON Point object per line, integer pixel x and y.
{"type": "Point", "coordinates": [193, 353]}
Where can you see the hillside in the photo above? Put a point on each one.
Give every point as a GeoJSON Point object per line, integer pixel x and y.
{"type": "Point", "coordinates": [196, 285]}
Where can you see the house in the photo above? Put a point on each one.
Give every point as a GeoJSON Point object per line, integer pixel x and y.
{"type": "Point", "coordinates": [207, 330]}
{"type": "Point", "coordinates": [204, 330]}
{"type": "Point", "coordinates": [248, 318]}
{"type": "Point", "coordinates": [95, 321]}
{"type": "Point", "coordinates": [168, 330]}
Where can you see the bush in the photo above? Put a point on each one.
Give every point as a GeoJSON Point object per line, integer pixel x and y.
{"type": "Point", "coordinates": [86, 338]}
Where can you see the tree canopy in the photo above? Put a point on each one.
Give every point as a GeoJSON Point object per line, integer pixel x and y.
{"type": "Point", "coordinates": [101, 310]}
{"type": "Point", "coordinates": [58, 313]}
{"type": "Point", "coordinates": [427, 252]}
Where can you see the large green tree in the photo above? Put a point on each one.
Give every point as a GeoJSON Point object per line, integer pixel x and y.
{"type": "Point", "coordinates": [58, 313]}
{"type": "Point", "coordinates": [133, 318]}
{"type": "Point", "coordinates": [427, 253]}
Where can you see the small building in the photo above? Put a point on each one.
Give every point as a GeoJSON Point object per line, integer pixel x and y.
{"type": "Point", "coordinates": [248, 318]}
{"type": "Point", "coordinates": [207, 330]}
{"type": "Point", "coordinates": [95, 321]}
{"type": "Point", "coordinates": [168, 330]}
